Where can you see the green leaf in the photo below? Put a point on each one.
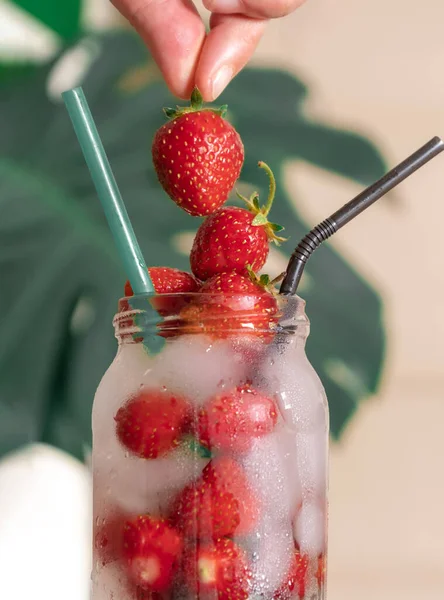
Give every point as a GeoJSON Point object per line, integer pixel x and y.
{"type": "Point", "coordinates": [275, 227]}
{"type": "Point", "coordinates": [58, 262]}
{"type": "Point", "coordinates": [15, 70]}
{"type": "Point", "coordinates": [196, 448]}
{"type": "Point", "coordinates": [264, 280]}
{"type": "Point", "coordinates": [196, 99]}
{"type": "Point", "coordinates": [170, 112]}
{"type": "Point", "coordinates": [62, 17]}
{"type": "Point", "coordinates": [259, 219]}
{"type": "Point", "coordinates": [341, 151]}
{"type": "Point", "coordinates": [255, 200]}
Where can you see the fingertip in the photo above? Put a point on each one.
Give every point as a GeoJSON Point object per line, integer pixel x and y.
{"type": "Point", "coordinates": [259, 9]}
{"type": "Point", "coordinates": [227, 49]}
{"type": "Point", "coordinates": [174, 33]}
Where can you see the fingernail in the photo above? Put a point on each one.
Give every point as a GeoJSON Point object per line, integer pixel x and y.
{"type": "Point", "coordinates": [225, 6]}
{"type": "Point", "coordinates": [221, 80]}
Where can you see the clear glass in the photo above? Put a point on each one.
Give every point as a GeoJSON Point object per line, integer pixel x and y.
{"type": "Point", "coordinates": [210, 450]}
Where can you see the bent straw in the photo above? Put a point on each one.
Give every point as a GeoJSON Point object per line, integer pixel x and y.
{"type": "Point", "coordinates": [352, 209]}
{"type": "Point", "coordinates": [107, 190]}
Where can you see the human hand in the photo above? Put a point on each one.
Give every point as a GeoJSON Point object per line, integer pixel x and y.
{"type": "Point", "coordinates": [186, 54]}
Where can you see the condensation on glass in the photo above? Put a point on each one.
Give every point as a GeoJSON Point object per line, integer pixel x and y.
{"type": "Point", "coordinates": [255, 503]}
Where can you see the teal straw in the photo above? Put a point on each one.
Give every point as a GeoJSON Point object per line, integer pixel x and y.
{"type": "Point", "coordinates": [107, 190]}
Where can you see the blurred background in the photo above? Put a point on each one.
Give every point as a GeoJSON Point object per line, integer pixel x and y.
{"type": "Point", "coordinates": [337, 93]}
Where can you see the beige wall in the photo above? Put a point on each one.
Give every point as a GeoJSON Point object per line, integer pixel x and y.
{"type": "Point", "coordinates": [378, 67]}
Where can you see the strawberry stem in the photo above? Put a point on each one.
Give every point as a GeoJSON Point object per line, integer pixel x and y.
{"type": "Point", "coordinates": [277, 279]}
{"type": "Point", "coordinates": [272, 187]}
{"type": "Point", "coordinates": [196, 105]}
{"type": "Point", "coordinates": [196, 99]}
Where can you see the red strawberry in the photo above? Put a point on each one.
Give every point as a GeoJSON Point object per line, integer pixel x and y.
{"type": "Point", "coordinates": [108, 537]}
{"type": "Point", "coordinates": [233, 238]}
{"type": "Point", "coordinates": [218, 504]}
{"type": "Point", "coordinates": [232, 420]}
{"type": "Point", "coordinates": [141, 594]}
{"type": "Point", "coordinates": [295, 579]}
{"type": "Point", "coordinates": [152, 550]}
{"type": "Point", "coordinates": [227, 241]}
{"type": "Point", "coordinates": [198, 157]}
{"type": "Point", "coordinates": [231, 304]}
{"type": "Point", "coordinates": [321, 570]}
{"type": "Point", "coordinates": [150, 423]}
{"type": "Point", "coordinates": [167, 280]}
{"type": "Point", "coordinates": [218, 570]}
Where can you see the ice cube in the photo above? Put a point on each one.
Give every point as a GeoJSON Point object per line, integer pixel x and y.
{"type": "Point", "coordinates": [197, 367]}
{"type": "Point", "coordinates": [310, 529]}
{"type": "Point", "coordinates": [123, 379]}
{"type": "Point", "coordinates": [271, 549]}
{"type": "Point", "coordinates": [138, 485]}
{"type": "Point", "coordinates": [290, 378]}
{"type": "Point", "coordinates": [271, 466]}
{"type": "Point", "coordinates": [312, 452]}
{"type": "Point", "coordinates": [134, 484]}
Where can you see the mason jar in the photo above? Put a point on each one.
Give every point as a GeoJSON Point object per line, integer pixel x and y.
{"type": "Point", "coordinates": [210, 444]}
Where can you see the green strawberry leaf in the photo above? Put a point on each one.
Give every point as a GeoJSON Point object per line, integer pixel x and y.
{"type": "Point", "coordinates": [275, 227]}
{"type": "Point", "coordinates": [259, 219]}
{"type": "Point", "coordinates": [196, 448]}
{"type": "Point", "coordinates": [264, 280]}
{"type": "Point", "coordinates": [196, 99]}
{"type": "Point", "coordinates": [170, 112]}
{"type": "Point", "coordinates": [61, 273]}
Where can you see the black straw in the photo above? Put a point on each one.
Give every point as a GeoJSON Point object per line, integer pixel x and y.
{"type": "Point", "coordinates": [349, 211]}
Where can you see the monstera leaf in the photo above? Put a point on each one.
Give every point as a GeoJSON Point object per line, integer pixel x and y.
{"type": "Point", "coordinates": [64, 21]}
{"type": "Point", "coordinates": [60, 276]}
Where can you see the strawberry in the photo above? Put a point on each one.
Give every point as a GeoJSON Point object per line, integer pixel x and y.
{"type": "Point", "coordinates": [217, 570]}
{"type": "Point", "coordinates": [167, 280]}
{"type": "Point", "coordinates": [141, 594]}
{"type": "Point", "coordinates": [233, 238]}
{"type": "Point", "coordinates": [152, 551]}
{"type": "Point", "coordinates": [321, 570]}
{"type": "Point", "coordinates": [232, 420]}
{"type": "Point", "coordinates": [230, 304]}
{"type": "Point", "coordinates": [150, 423]}
{"type": "Point", "coordinates": [295, 579]}
{"type": "Point", "coordinates": [220, 503]}
{"type": "Point", "coordinates": [108, 537]}
{"type": "Point", "coordinates": [197, 156]}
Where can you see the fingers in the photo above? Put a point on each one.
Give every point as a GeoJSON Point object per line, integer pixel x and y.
{"type": "Point", "coordinates": [258, 9]}
{"type": "Point", "coordinates": [228, 47]}
{"type": "Point", "coordinates": [174, 33]}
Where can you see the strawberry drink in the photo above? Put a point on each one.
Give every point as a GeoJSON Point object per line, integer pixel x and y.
{"type": "Point", "coordinates": [210, 428]}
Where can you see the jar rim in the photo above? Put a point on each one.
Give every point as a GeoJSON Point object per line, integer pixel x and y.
{"type": "Point", "coordinates": [146, 313]}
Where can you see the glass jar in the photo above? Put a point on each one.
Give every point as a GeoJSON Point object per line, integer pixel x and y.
{"type": "Point", "coordinates": [210, 443]}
